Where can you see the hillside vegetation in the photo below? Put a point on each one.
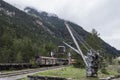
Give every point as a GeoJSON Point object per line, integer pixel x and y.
{"type": "Point", "coordinates": [25, 34]}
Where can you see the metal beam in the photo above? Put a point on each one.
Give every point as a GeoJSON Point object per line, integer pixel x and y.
{"type": "Point", "coordinates": [75, 41]}
{"type": "Point", "coordinates": [71, 47]}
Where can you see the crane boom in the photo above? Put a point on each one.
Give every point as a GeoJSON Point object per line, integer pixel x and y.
{"type": "Point", "coordinates": [71, 47]}
{"type": "Point", "coordinates": [75, 41]}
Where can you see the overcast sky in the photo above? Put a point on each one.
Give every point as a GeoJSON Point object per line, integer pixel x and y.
{"type": "Point", "coordinates": [103, 15]}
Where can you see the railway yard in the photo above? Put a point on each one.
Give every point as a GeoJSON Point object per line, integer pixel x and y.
{"type": "Point", "coordinates": [50, 68]}
{"type": "Point", "coordinates": [54, 68]}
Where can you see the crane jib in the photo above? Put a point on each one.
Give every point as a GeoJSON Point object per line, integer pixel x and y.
{"type": "Point", "coordinates": [75, 41]}
{"type": "Point", "coordinates": [91, 60]}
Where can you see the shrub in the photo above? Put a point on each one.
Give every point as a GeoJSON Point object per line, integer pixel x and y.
{"type": "Point", "coordinates": [104, 71]}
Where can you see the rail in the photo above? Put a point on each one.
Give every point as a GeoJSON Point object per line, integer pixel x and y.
{"type": "Point", "coordinates": [21, 72]}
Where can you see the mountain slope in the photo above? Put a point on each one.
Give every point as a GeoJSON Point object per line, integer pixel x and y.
{"type": "Point", "coordinates": [23, 35]}
{"type": "Point", "coordinates": [57, 26]}
{"type": "Point", "coordinates": [20, 35]}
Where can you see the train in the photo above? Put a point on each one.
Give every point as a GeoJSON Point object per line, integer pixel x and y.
{"type": "Point", "coordinates": [40, 61]}
{"type": "Point", "coordinates": [51, 61]}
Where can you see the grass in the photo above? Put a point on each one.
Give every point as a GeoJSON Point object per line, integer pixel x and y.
{"type": "Point", "coordinates": [74, 73]}
{"type": "Point", "coordinates": [67, 72]}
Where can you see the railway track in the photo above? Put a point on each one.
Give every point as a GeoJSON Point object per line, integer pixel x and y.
{"type": "Point", "coordinates": [22, 72]}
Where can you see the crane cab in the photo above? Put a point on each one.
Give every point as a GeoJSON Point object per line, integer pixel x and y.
{"type": "Point", "coordinates": [61, 49]}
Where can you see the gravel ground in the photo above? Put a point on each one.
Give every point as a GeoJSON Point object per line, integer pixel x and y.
{"type": "Point", "coordinates": [20, 76]}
